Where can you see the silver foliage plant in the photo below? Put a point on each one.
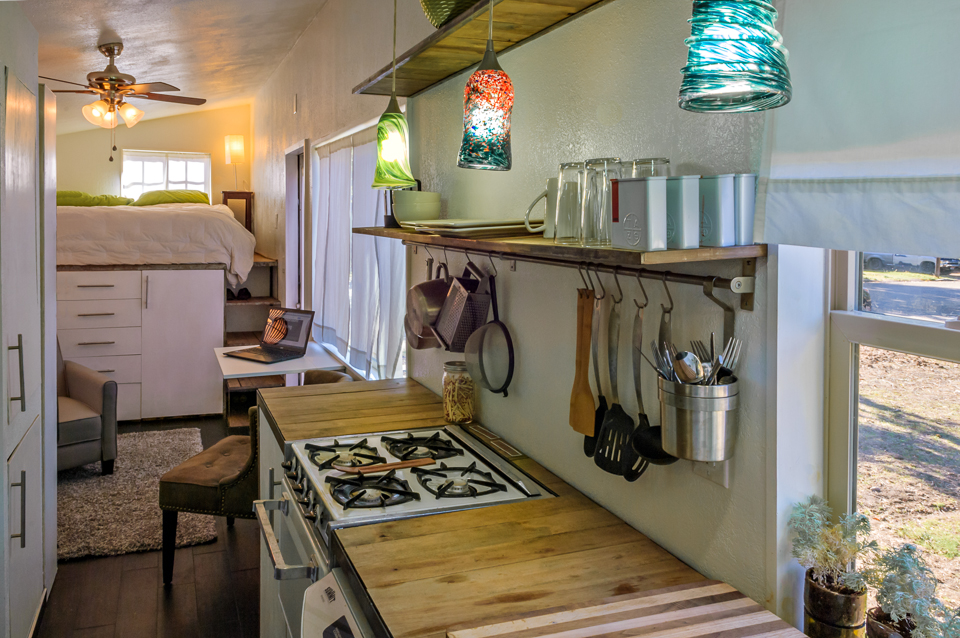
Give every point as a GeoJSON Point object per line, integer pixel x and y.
{"type": "Point", "coordinates": [906, 589]}
{"type": "Point", "coordinates": [830, 551]}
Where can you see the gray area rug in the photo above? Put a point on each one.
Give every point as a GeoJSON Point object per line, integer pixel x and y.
{"type": "Point", "coordinates": [118, 514]}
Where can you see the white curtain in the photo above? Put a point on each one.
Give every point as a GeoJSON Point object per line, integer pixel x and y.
{"type": "Point", "coordinates": [867, 155]}
{"type": "Point", "coordinates": [359, 281]}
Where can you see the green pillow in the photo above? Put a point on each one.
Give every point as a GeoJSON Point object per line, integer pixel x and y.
{"type": "Point", "coordinates": [151, 198]}
{"type": "Point", "coordinates": [79, 198]}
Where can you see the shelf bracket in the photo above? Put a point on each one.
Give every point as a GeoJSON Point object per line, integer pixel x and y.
{"type": "Point", "coordinates": [749, 273]}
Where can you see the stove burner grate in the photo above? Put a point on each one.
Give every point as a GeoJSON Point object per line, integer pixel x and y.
{"type": "Point", "coordinates": [458, 482]}
{"type": "Point", "coordinates": [367, 492]}
{"type": "Point", "coordinates": [330, 457]}
{"type": "Point", "coordinates": [421, 447]}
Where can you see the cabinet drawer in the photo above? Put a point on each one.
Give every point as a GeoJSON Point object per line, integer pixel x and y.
{"type": "Point", "coordinates": [99, 342]}
{"type": "Point", "coordinates": [124, 369]}
{"type": "Point", "coordinates": [128, 402]}
{"type": "Point", "coordinates": [109, 313]}
{"type": "Point", "coordinates": [105, 284]}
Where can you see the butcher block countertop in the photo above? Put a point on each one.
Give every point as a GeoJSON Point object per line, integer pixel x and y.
{"type": "Point", "coordinates": [476, 567]}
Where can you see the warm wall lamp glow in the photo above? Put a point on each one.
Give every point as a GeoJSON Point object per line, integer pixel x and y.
{"type": "Point", "coordinates": [235, 153]}
{"type": "Point", "coordinates": [130, 114]}
{"type": "Point", "coordinates": [393, 153]}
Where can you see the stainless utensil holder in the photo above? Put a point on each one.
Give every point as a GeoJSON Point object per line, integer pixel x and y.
{"type": "Point", "coordinates": [700, 422]}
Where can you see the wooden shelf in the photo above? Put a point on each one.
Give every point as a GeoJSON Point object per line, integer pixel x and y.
{"type": "Point", "coordinates": [259, 261]}
{"type": "Point", "coordinates": [461, 43]}
{"type": "Point", "coordinates": [254, 301]}
{"type": "Point", "coordinates": [535, 246]}
{"type": "Point", "coordinates": [251, 384]}
{"type": "Point", "coordinates": [234, 339]}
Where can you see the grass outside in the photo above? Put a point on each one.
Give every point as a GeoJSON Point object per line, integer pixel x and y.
{"type": "Point", "coordinates": [908, 479]}
{"type": "Point", "coordinates": [893, 276]}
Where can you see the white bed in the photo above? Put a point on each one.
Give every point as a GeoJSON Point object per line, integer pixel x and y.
{"type": "Point", "coordinates": [161, 234]}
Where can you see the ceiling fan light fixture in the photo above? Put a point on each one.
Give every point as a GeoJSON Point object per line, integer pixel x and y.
{"type": "Point", "coordinates": [95, 112]}
{"type": "Point", "coordinates": [110, 118]}
{"type": "Point", "coordinates": [130, 114]}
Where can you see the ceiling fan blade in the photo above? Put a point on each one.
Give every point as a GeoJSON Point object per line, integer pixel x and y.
{"type": "Point", "coordinates": [43, 77]}
{"type": "Point", "coordinates": [74, 91]}
{"type": "Point", "coordinates": [179, 99]}
{"type": "Point", "coordinates": [151, 87]}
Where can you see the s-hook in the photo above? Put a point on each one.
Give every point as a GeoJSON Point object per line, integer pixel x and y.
{"type": "Point", "coordinates": [490, 258]}
{"type": "Point", "coordinates": [728, 312]}
{"type": "Point", "coordinates": [429, 262]}
{"type": "Point", "coordinates": [580, 268]}
{"type": "Point", "coordinates": [669, 297]}
{"type": "Point", "coordinates": [646, 300]}
{"type": "Point", "coordinates": [616, 280]}
{"type": "Point", "coordinates": [603, 289]}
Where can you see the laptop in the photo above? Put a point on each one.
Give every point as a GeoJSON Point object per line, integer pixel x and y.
{"type": "Point", "coordinates": [285, 337]}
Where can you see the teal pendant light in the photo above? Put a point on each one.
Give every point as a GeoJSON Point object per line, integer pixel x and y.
{"type": "Point", "coordinates": [393, 137]}
{"type": "Point", "coordinates": [736, 62]}
{"type": "Point", "coordinates": [487, 107]}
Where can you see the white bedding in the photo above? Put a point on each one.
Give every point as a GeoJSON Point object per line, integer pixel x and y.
{"type": "Point", "coordinates": [161, 234]}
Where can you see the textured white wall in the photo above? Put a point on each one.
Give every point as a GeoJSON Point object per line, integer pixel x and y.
{"type": "Point", "coordinates": [83, 158]}
{"type": "Point", "coordinates": [606, 85]}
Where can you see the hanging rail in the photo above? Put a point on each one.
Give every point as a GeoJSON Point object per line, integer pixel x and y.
{"type": "Point", "coordinates": [738, 285]}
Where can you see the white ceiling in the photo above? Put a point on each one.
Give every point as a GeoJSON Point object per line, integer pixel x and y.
{"type": "Point", "coordinates": [221, 50]}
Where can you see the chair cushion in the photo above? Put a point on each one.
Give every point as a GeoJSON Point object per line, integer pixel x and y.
{"type": "Point", "coordinates": [193, 485]}
{"type": "Point", "coordinates": [77, 422]}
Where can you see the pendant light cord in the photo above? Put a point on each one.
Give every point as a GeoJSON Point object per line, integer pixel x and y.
{"type": "Point", "coordinates": [490, 33]}
{"type": "Point", "coordinates": [394, 87]}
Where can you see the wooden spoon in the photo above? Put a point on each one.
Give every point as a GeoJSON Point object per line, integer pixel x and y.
{"type": "Point", "coordinates": [386, 467]}
{"type": "Point", "coordinates": [581, 397]}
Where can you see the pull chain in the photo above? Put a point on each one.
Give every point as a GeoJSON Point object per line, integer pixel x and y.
{"type": "Point", "coordinates": [394, 87]}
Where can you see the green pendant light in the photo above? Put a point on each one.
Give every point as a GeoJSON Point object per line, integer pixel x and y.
{"type": "Point", "coordinates": [393, 137]}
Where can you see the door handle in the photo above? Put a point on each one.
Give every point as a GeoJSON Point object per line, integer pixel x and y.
{"type": "Point", "coordinates": [146, 292]}
{"type": "Point", "coordinates": [96, 343]}
{"type": "Point", "coordinates": [272, 483]}
{"type": "Point", "coordinates": [23, 509]}
{"type": "Point", "coordinates": [281, 571]}
{"type": "Point", "coordinates": [95, 285]}
{"type": "Point", "coordinates": [23, 386]}
{"type": "Point", "coordinates": [105, 371]}
{"type": "Point", "coordinates": [96, 314]}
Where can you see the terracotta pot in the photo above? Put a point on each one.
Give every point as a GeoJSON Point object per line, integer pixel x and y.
{"type": "Point", "coordinates": [831, 614]}
{"type": "Point", "coordinates": [885, 628]}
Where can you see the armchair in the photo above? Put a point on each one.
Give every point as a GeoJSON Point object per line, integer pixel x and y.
{"type": "Point", "coordinates": [86, 417]}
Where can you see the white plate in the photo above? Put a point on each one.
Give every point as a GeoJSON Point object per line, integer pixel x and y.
{"type": "Point", "coordinates": [470, 223]}
{"type": "Point", "coordinates": [477, 232]}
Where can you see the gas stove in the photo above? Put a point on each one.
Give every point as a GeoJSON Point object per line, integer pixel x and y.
{"type": "Point", "coordinates": [465, 474]}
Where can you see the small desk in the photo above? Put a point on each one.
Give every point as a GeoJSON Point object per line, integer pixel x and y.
{"type": "Point", "coordinates": [316, 358]}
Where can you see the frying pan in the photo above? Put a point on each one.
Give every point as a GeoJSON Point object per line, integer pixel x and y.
{"type": "Point", "coordinates": [489, 351]}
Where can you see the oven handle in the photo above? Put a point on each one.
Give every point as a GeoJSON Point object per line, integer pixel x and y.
{"type": "Point", "coordinates": [281, 571]}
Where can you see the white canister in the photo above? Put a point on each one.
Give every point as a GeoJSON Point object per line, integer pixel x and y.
{"type": "Point", "coordinates": [717, 211]}
{"type": "Point", "coordinates": [639, 213]}
{"type": "Point", "coordinates": [683, 212]}
{"type": "Point", "coordinates": [745, 193]}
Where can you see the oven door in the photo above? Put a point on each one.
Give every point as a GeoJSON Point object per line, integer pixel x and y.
{"type": "Point", "coordinates": [296, 556]}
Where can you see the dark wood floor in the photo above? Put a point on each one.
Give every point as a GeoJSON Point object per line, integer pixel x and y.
{"type": "Point", "coordinates": [215, 590]}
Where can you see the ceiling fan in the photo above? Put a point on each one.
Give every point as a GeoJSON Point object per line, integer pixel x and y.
{"type": "Point", "coordinates": [114, 88]}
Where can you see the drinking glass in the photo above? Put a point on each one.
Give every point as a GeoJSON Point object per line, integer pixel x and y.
{"type": "Point", "coordinates": [597, 209]}
{"type": "Point", "coordinates": [569, 195]}
{"type": "Point", "coordinates": [649, 167]}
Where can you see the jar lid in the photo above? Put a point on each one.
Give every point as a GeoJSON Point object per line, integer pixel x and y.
{"type": "Point", "coordinates": [455, 366]}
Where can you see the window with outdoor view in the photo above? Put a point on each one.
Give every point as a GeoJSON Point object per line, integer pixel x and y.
{"type": "Point", "coordinates": [912, 286]}
{"type": "Point", "coordinates": [145, 171]}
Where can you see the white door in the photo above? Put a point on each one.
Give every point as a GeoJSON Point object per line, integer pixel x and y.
{"type": "Point", "coordinates": [182, 322]}
{"type": "Point", "coordinates": [19, 224]}
{"type": "Point", "coordinates": [25, 531]}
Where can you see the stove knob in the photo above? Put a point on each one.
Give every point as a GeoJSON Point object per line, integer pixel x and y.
{"type": "Point", "coordinates": [293, 476]}
{"type": "Point", "coordinates": [297, 488]}
{"type": "Point", "coordinates": [287, 465]}
{"type": "Point", "coordinates": [306, 498]}
{"type": "Point", "coordinates": [310, 515]}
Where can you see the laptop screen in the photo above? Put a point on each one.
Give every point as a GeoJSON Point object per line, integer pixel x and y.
{"type": "Point", "coordinates": [288, 328]}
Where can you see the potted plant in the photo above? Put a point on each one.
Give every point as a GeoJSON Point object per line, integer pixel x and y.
{"type": "Point", "coordinates": [906, 598]}
{"type": "Point", "coordinates": [835, 593]}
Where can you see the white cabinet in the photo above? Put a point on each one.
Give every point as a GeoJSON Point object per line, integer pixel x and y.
{"type": "Point", "coordinates": [19, 260]}
{"type": "Point", "coordinates": [272, 623]}
{"type": "Point", "coordinates": [152, 331]}
{"type": "Point", "coordinates": [25, 531]}
{"type": "Point", "coordinates": [182, 324]}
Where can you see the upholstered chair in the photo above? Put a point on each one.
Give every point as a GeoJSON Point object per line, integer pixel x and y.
{"type": "Point", "coordinates": [318, 377]}
{"type": "Point", "coordinates": [220, 481]}
{"type": "Point", "coordinates": [86, 416]}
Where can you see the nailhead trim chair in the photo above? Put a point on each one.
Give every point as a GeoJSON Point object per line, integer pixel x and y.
{"type": "Point", "coordinates": [221, 481]}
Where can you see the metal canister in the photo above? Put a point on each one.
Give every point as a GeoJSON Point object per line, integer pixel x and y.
{"type": "Point", "coordinates": [745, 198]}
{"type": "Point", "coordinates": [700, 422]}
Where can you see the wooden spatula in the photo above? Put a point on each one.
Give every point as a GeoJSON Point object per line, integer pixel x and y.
{"type": "Point", "coordinates": [581, 397]}
{"type": "Point", "coordinates": [386, 467]}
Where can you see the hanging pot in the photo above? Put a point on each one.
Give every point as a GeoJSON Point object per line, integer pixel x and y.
{"type": "Point", "coordinates": [425, 299]}
{"type": "Point", "coordinates": [831, 614]}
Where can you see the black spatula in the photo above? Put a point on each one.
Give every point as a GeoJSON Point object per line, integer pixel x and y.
{"type": "Point", "coordinates": [617, 425]}
{"type": "Point", "coordinates": [635, 465]}
{"type": "Point", "coordinates": [590, 442]}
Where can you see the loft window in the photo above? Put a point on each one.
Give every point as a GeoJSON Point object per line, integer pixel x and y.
{"type": "Point", "coordinates": [160, 170]}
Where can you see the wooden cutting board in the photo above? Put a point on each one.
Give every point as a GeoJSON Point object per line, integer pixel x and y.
{"type": "Point", "coordinates": [706, 608]}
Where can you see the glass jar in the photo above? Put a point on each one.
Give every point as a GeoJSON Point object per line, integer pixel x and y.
{"type": "Point", "coordinates": [458, 393]}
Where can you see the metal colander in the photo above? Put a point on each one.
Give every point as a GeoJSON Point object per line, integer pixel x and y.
{"type": "Point", "coordinates": [464, 310]}
{"type": "Point", "coordinates": [440, 12]}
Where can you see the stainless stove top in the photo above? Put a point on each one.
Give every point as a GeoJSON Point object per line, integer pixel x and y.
{"type": "Point", "coordinates": [465, 474]}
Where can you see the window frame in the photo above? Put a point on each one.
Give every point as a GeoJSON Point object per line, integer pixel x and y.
{"type": "Point", "coordinates": [166, 156]}
{"type": "Point", "coordinates": [849, 329]}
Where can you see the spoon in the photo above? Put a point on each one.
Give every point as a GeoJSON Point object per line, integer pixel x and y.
{"type": "Point", "coordinates": [688, 367]}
